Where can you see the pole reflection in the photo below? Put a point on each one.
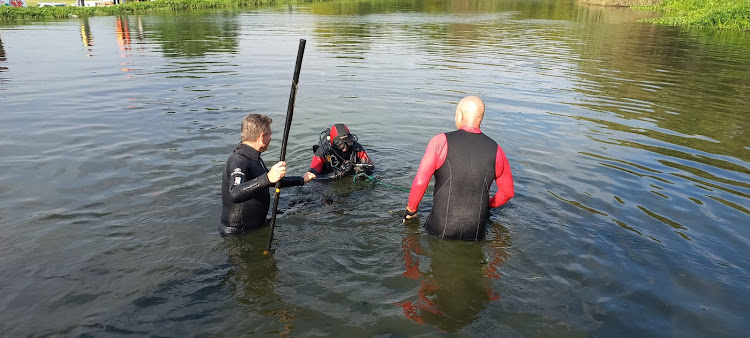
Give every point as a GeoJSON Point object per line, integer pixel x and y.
{"type": "Point", "coordinates": [454, 278]}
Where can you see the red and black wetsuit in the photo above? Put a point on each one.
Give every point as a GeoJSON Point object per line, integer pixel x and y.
{"type": "Point", "coordinates": [328, 159]}
{"type": "Point", "coordinates": [464, 162]}
{"type": "Point", "coordinates": [245, 191]}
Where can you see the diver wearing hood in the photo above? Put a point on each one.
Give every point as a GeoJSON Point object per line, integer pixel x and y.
{"type": "Point", "coordinates": [339, 154]}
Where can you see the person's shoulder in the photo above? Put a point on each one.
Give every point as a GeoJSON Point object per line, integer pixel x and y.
{"type": "Point", "coordinates": [439, 137]}
{"type": "Point", "coordinates": [489, 139]}
{"type": "Point", "coordinates": [322, 149]}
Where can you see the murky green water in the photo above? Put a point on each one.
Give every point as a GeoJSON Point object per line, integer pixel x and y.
{"type": "Point", "coordinates": [629, 146]}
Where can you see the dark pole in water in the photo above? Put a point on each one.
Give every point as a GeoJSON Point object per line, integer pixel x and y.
{"type": "Point", "coordinates": [289, 113]}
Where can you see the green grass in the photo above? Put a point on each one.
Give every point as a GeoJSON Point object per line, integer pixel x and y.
{"type": "Point", "coordinates": [133, 7]}
{"type": "Point", "coordinates": [717, 14]}
{"type": "Point", "coordinates": [622, 3]}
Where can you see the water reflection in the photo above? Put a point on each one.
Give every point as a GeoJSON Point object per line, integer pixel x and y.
{"type": "Point", "coordinates": [2, 55]}
{"type": "Point", "coordinates": [122, 30]}
{"type": "Point", "coordinates": [455, 285]}
{"type": "Point", "coordinates": [253, 281]}
{"type": "Point", "coordinates": [196, 35]}
{"type": "Point", "coordinates": [346, 40]}
{"type": "Point", "coordinates": [637, 79]}
{"type": "Point", "coordinates": [87, 39]}
{"type": "Point", "coordinates": [682, 107]}
{"type": "Point", "coordinates": [427, 6]}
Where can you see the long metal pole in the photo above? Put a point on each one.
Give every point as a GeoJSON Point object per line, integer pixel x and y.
{"type": "Point", "coordinates": [287, 125]}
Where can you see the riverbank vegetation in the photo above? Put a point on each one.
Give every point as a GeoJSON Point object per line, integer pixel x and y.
{"type": "Point", "coordinates": [721, 14]}
{"type": "Point", "coordinates": [724, 14]}
{"type": "Point", "coordinates": [130, 7]}
{"type": "Point", "coordinates": [622, 3]}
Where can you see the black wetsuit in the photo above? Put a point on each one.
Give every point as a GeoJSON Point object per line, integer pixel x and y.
{"type": "Point", "coordinates": [245, 191]}
{"type": "Point", "coordinates": [462, 184]}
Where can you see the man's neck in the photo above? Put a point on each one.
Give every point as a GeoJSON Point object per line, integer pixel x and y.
{"type": "Point", "coordinates": [253, 145]}
{"type": "Point", "coordinates": [471, 129]}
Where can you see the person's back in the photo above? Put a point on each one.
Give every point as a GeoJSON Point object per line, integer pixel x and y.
{"type": "Point", "coordinates": [461, 197]}
{"type": "Point", "coordinates": [464, 162]}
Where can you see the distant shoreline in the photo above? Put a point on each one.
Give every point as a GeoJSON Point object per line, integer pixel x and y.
{"type": "Point", "coordinates": [703, 14]}
{"type": "Point", "coordinates": [11, 14]}
{"type": "Point", "coordinates": [622, 3]}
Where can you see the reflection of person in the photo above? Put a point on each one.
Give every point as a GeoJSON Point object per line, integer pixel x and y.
{"type": "Point", "coordinates": [246, 180]}
{"type": "Point", "coordinates": [86, 38]}
{"type": "Point", "coordinates": [2, 50]}
{"type": "Point", "coordinates": [455, 286]}
{"type": "Point", "coordinates": [464, 162]}
{"type": "Point", "coordinates": [252, 280]}
{"type": "Point", "coordinates": [339, 154]}
{"type": "Point", "coordinates": [2, 55]}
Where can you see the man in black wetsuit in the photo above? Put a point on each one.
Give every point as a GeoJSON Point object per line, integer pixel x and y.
{"type": "Point", "coordinates": [246, 180]}
{"type": "Point", "coordinates": [339, 154]}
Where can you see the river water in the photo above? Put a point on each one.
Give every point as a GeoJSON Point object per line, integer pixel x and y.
{"type": "Point", "coordinates": [628, 142]}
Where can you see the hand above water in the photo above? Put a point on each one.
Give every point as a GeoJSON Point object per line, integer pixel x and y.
{"type": "Point", "coordinates": [410, 216]}
{"type": "Point", "coordinates": [277, 172]}
{"type": "Point", "coordinates": [308, 176]}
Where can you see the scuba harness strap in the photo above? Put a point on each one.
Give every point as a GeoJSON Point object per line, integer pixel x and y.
{"type": "Point", "coordinates": [336, 160]}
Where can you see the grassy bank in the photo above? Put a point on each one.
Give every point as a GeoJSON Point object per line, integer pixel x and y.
{"type": "Point", "coordinates": [622, 3]}
{"type": "Point", "coordinates": [133, 7]}
{"type": "Point", "coordinates": [721, 14]}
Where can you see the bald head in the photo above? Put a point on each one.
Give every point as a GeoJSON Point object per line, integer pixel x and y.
{"type": "Point", "coordinates": [469, 112]}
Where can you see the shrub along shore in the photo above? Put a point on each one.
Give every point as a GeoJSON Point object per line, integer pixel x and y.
{"type": "Point", "coordinates": [130, 7]}
{"type": "Point", "coordinates": [723, 14]}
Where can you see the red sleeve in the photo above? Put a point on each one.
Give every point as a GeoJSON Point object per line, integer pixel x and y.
{"type": "Point", "coordinates": [503, 179]}
{"type": "Point", "coordinates": [363, 158]}
{"type": "Point", "coordinates": [434, 157]}
{"type": "Point", "coordinates": [317, 164]}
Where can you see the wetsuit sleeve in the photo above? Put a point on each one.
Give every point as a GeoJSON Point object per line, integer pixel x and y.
{"type": "Point", "coordinates": [503, 179]}
{"type": "Point", "coordinates": [434, 157]}
{"type": "Point", "coordinates": [318, 161]}
{"type": "Point", "coordinates": [292, 181]}
{"type": "Point", "coordinates": [362, 157]}
{"type": "Point", "coordinates": [317, 164]}
{"type": "Point", "coordinates": [241, 190]}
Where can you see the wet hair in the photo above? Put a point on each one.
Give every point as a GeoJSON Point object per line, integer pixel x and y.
{"type": "Point", "coordinates": [253, 125]}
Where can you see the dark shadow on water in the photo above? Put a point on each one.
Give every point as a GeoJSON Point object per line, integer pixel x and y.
{"type": "Point", "coordinates": [2, 55]}
{"type": "Point", "coordinates": [253, 280]}
{"type": "Point", "coordinates": [454, 277]}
